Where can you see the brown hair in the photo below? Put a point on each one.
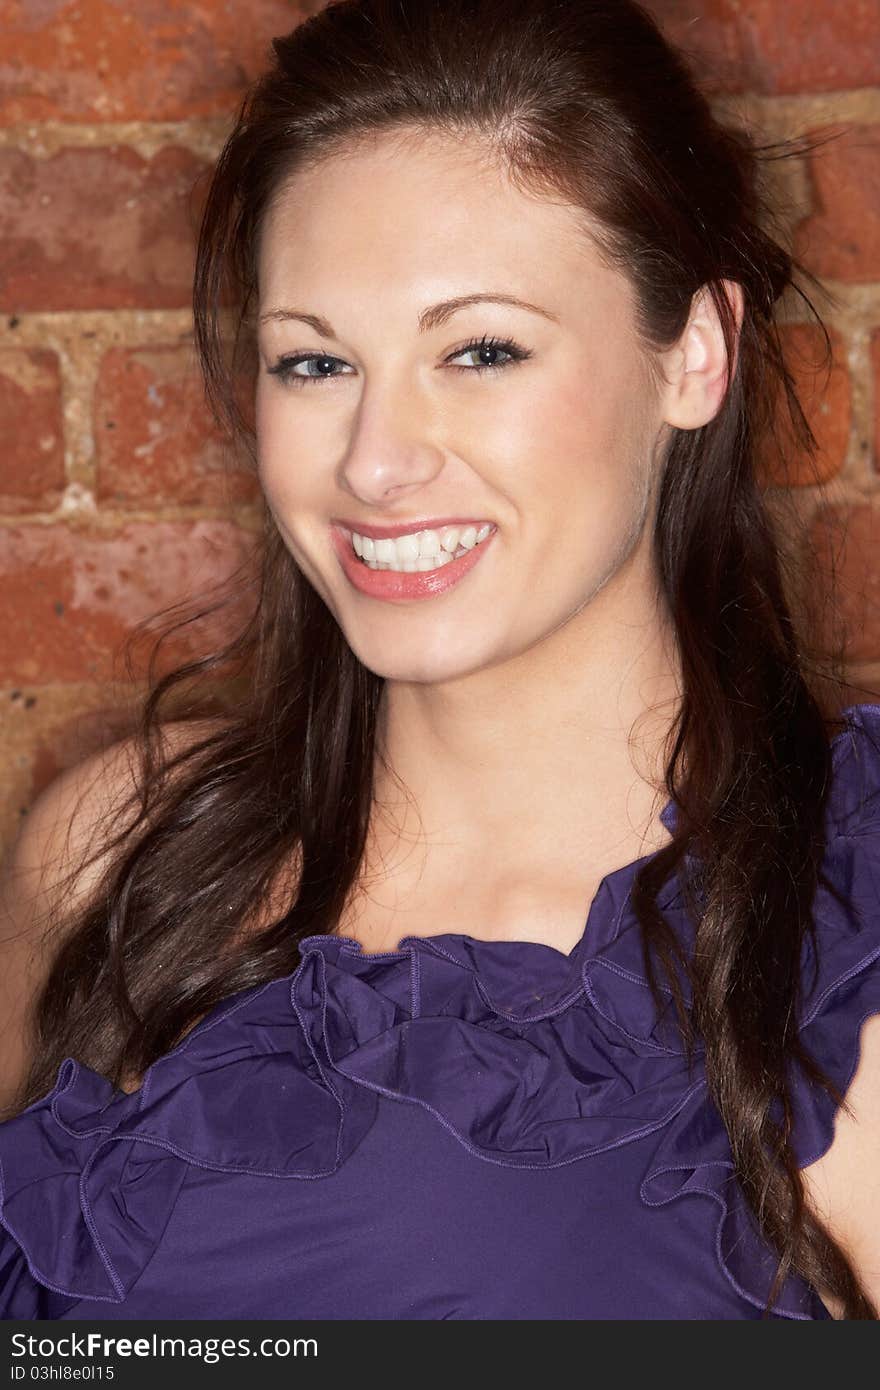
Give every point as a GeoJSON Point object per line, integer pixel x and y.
{"type": "Point", "coordinates": [589, 101]}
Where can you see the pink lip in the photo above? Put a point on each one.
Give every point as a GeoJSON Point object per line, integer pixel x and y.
{"type": "Point", "coordinates": [393, 584]}
{"type": "Point", "coordinates": [403, 528]}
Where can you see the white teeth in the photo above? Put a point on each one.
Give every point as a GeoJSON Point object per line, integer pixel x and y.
{"type": "Point", "coordinates": [407, 547]}
{"type": "Point", "coordinates": [429, 543]}
{"type": "Point", "coordinates": [418, 551]}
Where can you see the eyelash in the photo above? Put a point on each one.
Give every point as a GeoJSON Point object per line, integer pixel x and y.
{"type": "Point", "coordinates": [284, 367]}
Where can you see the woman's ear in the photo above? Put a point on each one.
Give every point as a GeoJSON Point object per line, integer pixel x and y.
{"type": "Point", "coordinates": [695, 369]}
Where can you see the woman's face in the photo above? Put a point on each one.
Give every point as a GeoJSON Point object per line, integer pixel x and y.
{"type": "Point", "coordinates": [390, 422]}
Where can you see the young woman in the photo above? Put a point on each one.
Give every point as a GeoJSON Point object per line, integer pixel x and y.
{"type": "Point", "coordinates": [506, 951]}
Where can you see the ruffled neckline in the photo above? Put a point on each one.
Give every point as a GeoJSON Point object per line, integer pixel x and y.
{"type": "Point", "coordinates": [528, 1056]}
{"type": "Point", "coordinates": [524, 980]}
{"type": "Point", "coordinates": [519, 980]}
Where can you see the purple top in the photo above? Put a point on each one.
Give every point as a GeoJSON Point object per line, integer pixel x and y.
{"type": "Point", "coordinates": [456, 1129]}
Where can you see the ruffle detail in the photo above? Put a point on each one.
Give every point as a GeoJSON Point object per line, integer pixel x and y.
{"type": "Point", "coordinates": [89, 1174]}
{"type": "Point", "coordinates": [528, 1057]}
{"type": "Point", "coordinates": [523, 1090]}
{"type": "Point", "coordinates": [693, 1159]}
{"type": "Point", "coordinates": [843, 986]}
{"type": "Point", "coordinates": [853, 804]}
{"type": "Point", "coordinates": [841, 990]}
{"type": "Point", "coordinates": [97, 1208]}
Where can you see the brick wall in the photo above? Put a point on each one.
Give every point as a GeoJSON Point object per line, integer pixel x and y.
{"type": "Point", "coordinates": [118, 497]}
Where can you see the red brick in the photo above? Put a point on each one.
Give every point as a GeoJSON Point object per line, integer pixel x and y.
{"type": "Point", "coordinates": [845, 543]}
{"type": "Point", "coordinates": [32, 470]}
{"type": "Point", "coordinates": [98, 228]}
{"type": "Point", "coordinates": [777, 46]}
{"type": "Point", "coordinates": [69, 597]}
{"type": "Point", "coordinates": [94, 60]}
{"type": "Point", "coordinates": [841, 238]}
{"type": "Point", "coordinates": [826, 397]}
{"type": "Point", "coordinates": [794, 46]}
{"type": "Point", "coordinates": [155, 437]}
{"type": "Point", "coordinates": [102, 60]}
{"type": "Point", "coordinates": [709, 34]}
{"type": "Point", "coordinates": [875, 363]}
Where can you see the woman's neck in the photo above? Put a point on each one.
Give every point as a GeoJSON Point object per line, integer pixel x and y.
{"type": "Point", "coordinates": [522, 786]}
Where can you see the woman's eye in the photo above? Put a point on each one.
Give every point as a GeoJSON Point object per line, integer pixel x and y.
{"type": "Point", "coordinates": [486, 349]}
{"type": "Point", "coordinates": [284, 368]}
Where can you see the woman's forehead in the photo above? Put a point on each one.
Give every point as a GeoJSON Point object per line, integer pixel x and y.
{"type": "Point", "coordinates": [407, 217]}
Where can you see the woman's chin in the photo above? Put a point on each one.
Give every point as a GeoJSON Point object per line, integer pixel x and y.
{"type": "Point", "coordinates": [422, 667]}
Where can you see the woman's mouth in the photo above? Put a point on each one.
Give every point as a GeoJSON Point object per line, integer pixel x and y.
{"type": "Point", "coordinates": [417, 564]}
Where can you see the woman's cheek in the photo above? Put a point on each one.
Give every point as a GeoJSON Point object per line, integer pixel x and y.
{"type": "Point", "coordinates": [282, 444]}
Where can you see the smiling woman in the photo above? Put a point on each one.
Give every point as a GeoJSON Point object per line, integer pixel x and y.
{"type": "Point", "coordinates": [528, 900]}
{"type": "Point", "coordinates": [405, 426]}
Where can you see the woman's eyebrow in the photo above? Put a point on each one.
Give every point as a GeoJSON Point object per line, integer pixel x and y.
{"type": "Point", "coordinates": [433, 317]}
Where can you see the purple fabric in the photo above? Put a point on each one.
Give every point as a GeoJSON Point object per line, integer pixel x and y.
{"type": "Point", "coordinates": [455, 1129]}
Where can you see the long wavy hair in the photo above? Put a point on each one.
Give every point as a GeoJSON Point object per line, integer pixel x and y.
{"type": "Point", "coordinates": [589, 101]}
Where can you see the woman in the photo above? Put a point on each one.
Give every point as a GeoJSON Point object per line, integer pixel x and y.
{"type": "Point", "coordinates": [521, 1044]}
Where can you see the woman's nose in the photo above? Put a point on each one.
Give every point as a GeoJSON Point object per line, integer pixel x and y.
{"type": "Point", "coordinates": [392, 445]}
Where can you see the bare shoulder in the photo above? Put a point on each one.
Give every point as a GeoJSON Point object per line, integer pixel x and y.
{"type": "Point", "coordinates": [66, 821]}
{"type": "Point", "coordinates": [843, 1186]}
{"type": "Point", "coordinates": [54, 866]}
